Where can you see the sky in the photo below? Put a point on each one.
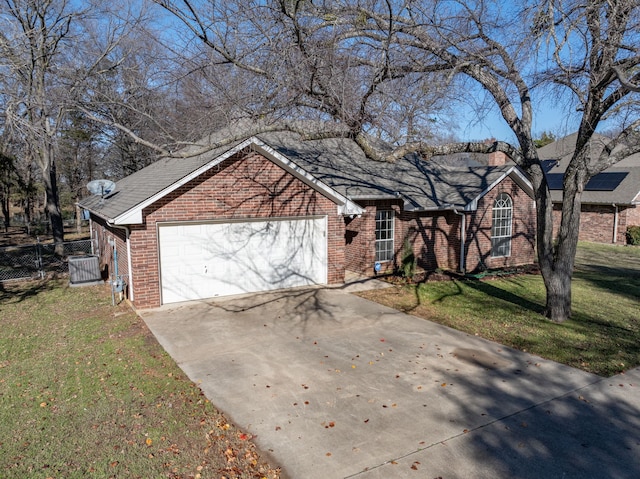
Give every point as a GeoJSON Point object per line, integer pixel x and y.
{"type": "Point", "coordinates": [548, 117]}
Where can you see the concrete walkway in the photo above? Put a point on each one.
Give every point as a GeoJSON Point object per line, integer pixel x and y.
{"type": "Point", "coordinates": [334, 386]}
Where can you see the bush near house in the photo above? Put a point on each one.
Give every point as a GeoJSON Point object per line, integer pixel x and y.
{"type": "Point", "coordinates": [633, 235]}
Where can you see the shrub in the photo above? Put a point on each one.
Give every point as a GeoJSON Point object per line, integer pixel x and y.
{"type": "Point", "coordinates": [633, 235]}
{"type": "Point", "coordinates": [408, 260]}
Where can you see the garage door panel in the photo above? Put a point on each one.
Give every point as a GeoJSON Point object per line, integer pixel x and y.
{"type": "Point", "coordinates": [218, 259]}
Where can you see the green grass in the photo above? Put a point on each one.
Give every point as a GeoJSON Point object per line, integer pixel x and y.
{"type": "Point", "coordinates": [602, 336]}
{"type": "Point", "coordinates": [86, 391]}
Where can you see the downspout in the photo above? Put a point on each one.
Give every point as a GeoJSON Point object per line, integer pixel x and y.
{"type": "Point", "coordinates": [91, 236]}
{"type": "Point", "coordinates": [615, 223]}
{"type": "Point", "coordinates": [463, 233]}
{"type": "Point", "coordinates": [128, 241]}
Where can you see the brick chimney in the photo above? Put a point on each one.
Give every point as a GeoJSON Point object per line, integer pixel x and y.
{"type": "Point", "coordinates": [496, 158]}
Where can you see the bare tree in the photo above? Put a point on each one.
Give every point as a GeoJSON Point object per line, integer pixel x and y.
{"type": "Point", "coordinates": [308, 61]}
{"type": "Point", "coordinates": [342, 60]}
{"type": "Point", "coordinates": [589, 49]}
{"type": "Point", "coordinates": [48, 51]}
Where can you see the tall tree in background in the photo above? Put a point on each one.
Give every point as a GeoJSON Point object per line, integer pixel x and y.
{"type": "Point", "coordinates": [8, 182]}
{"type": "Point", "coordinates": [48, 51]}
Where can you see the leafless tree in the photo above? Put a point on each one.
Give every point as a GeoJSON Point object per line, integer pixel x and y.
{"type": "Point", "coordinates": [48, 51]}
{"type": "Point", "coordinates": [588, 49]}
{"type": "Point", "coordinates": [341, 60]}
{"type": "Point", "coordinates": [308, 61]}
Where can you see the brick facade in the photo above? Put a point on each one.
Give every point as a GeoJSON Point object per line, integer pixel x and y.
{"type": "Point", "coordinates": [240, 187]}
{"type": "Point", "coordinates": [253, 187]}
{"type": "Point", "coordinates": [597, 222]}
{"type": "Point", "coordinates": [435, 236]}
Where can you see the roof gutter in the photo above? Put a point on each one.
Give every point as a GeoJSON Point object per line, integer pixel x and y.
{"type": "Point", "coordinates": [446, 207]}
{"type": "Point", "coordinates": [412, 207]}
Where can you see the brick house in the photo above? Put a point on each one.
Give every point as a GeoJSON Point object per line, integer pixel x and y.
{"type": "Point", "coordinates": [611, 199]}
{"type": "Point", "coordinates": [275, 211]}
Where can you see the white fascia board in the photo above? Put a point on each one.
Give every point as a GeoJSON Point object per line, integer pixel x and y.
{"type": "Point", "coordinates": [516, 174]}
{"type": "Point", "coordinates": [134, 215]}
{"type": "Point", "coordinates": [521, 178]}
{"type": "Point", "coordinates": [345, 205]}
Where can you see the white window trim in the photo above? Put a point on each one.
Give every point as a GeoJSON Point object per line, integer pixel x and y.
{"type": "Point", "coordinates": [502, 205]}
{"type": "Point", "coordinates": [389, 253]}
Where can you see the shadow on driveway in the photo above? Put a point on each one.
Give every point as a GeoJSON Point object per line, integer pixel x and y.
{"type": "Point", "coordinates": [336, 386]}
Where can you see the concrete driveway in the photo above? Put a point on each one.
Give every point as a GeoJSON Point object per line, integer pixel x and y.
{"type": "Point", "coordinates": [334, 386]}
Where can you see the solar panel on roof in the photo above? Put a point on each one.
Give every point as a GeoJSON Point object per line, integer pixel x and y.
{"type": "Point", "coordinates": [554, 180]}
{"type": "Point", "coordinates": [605, 181]}
{"type": "Point", "coordinates": [601, 182]}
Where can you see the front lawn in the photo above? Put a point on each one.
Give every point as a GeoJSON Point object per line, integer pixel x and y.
{"type": "Point", "coordinates": [603, 335]}
{"type": "Point", "coordinates": [87, 392]}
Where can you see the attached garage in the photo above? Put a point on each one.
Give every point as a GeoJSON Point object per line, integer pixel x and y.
{"type": "Point", "coordinates": [233, 220]}
{"type": "Point", "coordinates": [204, 260]}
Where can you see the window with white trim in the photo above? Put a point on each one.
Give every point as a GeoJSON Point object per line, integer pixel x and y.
{"type": "Point", "coordinates": [384, 235]}
{"type": "Point", "coordinates": [501, 227]}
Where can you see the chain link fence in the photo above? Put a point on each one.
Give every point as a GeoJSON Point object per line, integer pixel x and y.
{"type": "Point", "coordinates": [37, 260]}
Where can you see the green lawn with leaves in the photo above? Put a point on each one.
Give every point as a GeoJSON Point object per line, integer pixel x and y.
{"type": "Point", "coordinates": [87, 392]}
{"type": "Point", "coordinates": [603, 335]}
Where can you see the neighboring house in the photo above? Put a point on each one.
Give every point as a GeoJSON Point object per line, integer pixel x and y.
{"type": "Point", "coordinates": [610, 200]}
{"type": "Point", "coordinates": [274, 211]}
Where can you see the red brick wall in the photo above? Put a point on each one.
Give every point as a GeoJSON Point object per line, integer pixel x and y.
{"type": "Point", "coordinates": [632, 217]}
{"type": "Point", "coordinates": [360, 238]}
{"type": "Point", "coordinates": [597, 222]}
{"type": "Point", "coordinates": [248, 187]}
{"type": "Point", "coordinates": [435, 236]}
{"type": "Point", "coordinates": [523, 230]}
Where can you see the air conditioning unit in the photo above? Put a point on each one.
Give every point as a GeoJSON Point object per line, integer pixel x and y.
{"type": "Point", "coordinates": [84, 269]}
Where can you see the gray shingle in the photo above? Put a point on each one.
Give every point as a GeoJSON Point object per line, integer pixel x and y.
{"type": "Point", "coordinates": [338, 162]}
{"type": "Point", "coordinates": [627, 191]}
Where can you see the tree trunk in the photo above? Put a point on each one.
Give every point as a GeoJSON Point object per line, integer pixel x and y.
{"type": "Point", "coordinates": [78, 216]}
{"type": "Point", "coordinates": [6, 210]}
{"type": "Point", "coordinates": [53, 206]}
{"type": "Point", "coordinates": [558, 284]}
{"type": "Point", "coordinates": [557, 258]}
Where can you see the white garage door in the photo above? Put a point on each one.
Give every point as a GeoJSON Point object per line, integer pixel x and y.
{"type": "Point", "coordinates": [218, 259]}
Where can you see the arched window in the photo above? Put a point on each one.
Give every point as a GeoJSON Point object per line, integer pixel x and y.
{"type": "Point", "coordinates": [502, 226]}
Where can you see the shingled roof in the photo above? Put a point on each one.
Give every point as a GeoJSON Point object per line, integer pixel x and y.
{"type": "Point", "coordinates": [619, 184]}
{"type": "Point", "coordinates": [335, 165]}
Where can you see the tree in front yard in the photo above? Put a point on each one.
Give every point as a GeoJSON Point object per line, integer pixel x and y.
{"type": "Point", "coordinates": [349, 61]}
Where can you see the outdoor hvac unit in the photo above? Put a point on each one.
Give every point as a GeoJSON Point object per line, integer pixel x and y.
{"type": "Point", "coordinates": [84, 269]}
